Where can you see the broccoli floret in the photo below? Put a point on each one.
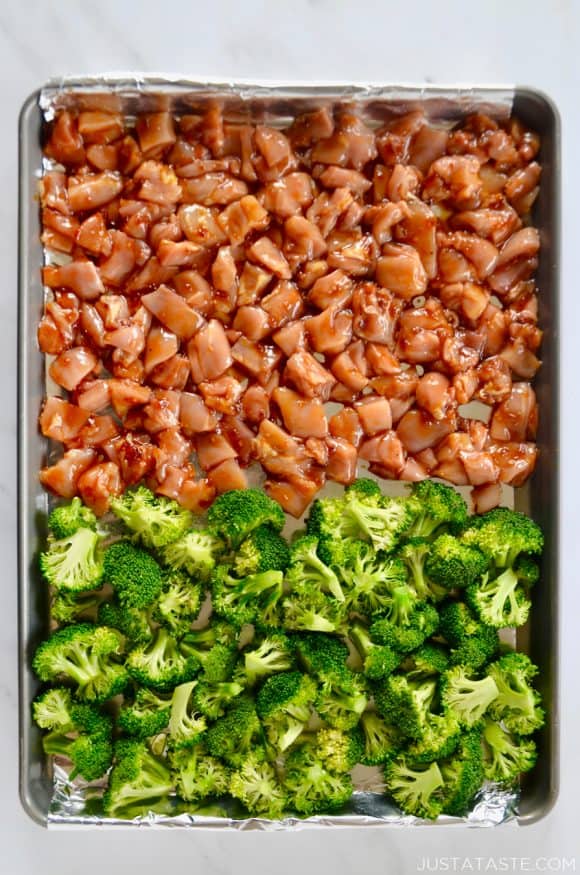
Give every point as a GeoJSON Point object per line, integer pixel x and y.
{"type": "Point", "coordinates": [517, 704]}
{"type": "Point", "coordinates": [146, 716]}
{"type": "Point", "coordinates": [452, 564]}
{"type": "Point", "coordinates": [235, 514]}
{"type": "Point", "coordinates": [66, 519]}
{"type": "Point", "coordinates": [74, 563]}
{"type": "Point", "coordinates": [198, 775]}
{"type": "Point", "coordinates": [85, 655]}
{"type": "Point", "coordinates": [463, 773]}
{"type": "Point", "coordinates": [457, 622]}
{"type": "Point", "coordinates": [341, 706]}
{"type": "Point", "coordinates": [284, 705]}
{"type": "Point", "coordinates": [195, 553]}
{"type": "Point", "coordinates": [139, 782]}
{"type": "Point", "coordinates": [52, 709]}
{"type": "Point", "coordinates": [369, 577]}
{"type": "Point", "coordinates": [217, 662]}
{"type": "Point", "coordinates": [381, 740]}
{"type": "Point", "coordinates": [361, 514]}
{"type": "Point", "coordinates": [477, 650]}
{"type": "Point", "coordinates": [500, 601]}
{"type": "Point", "coordinates": [401, 606]}
{"type": "Point", "coordinates": [255, 783]}
{"type": "Point", "coordinates": [306, 609]}
{"type": "Point", "coordinates": [426, 661]}
{"type": "Point", "coordinates": [274, 653]}
{"type": "Point", "coordinates": [213, 699]}
{"type": "Point", "coordinates": [406, 703]}
{"type": "Point", "coordinates": [307, 569]}
{"type": "Point", "coordinates": [132, 622]}
{"type": "Point", "coordinates": [253, 598]}
{"type": "Point", "coordinates": [72, 607]}
{"type": "Point", "coordinates": [155, 520]}
{"type": "Point", "coordinates": [472, 643]}
{"type": "Point", "coordinates": [133, 573]}
{"type": "Point", "coordinates": [263, 550]}
{"type": "Point", "coordinates": [414, 553]}
{"type": "Point", "coordinates": [161, 663]}
{"type": "Point", "coordinates": [464, 697]}
{"type": "Point", "coordinates": [381, 520]}
{"type": "Point", "coordinates": [186, 723]}
{"type": "Point", "coordinates": [364, 487]}
{"type": "Point", "coordinates": [312, 788]}
{"type": "Point", "coordinates": [237, 733]}
{"type": "Point", "coordinates": [324, 657]}
{"type": "Point", "coordinates": [379, 661]}
{"type": "Point", "coordinates": [503, 535]}
{"type": "Point", "coordinates": [85, 741]}
{"type": "Point", "coordinates": [417, 789]}
{"type": "Point", "coordinates": [506, 755]}
{"type": "Point", "coordinates": [179, 602]}
{"type": "Point", "coordinates": [339, 751]}
{"type": "Point", "coordinates": [404, 637]}
{"type": "Point", "coordinates": [440, 737]}
{"type": "Point", "coordinates": [435, 505]}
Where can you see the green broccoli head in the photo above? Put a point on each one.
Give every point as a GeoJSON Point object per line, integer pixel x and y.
{"type": "Point", "coordinates": [284, 705]}
{"type": "Point", "coordinates": [457, 622]}
{"type": "Point", "coordinates": [75, 607]}
{"type": "Point", "coordinates": [161, 663]}
{"type": "Point", "coordinates": [74, 563]}
{"type": "Point", "coordinates": [406, 703]}
{"type": "Point", "coordinates": [414, 554]}
{"type": "Point", "coordinates": [517, 704]}
{"type": "Point", "coordinates": [324, 657]}
{"type": "Point", "coordinates": [311, 787]}
{"type": "Point", "coordinates": [80, 733]}
{"type": "Point", "coordinates": [133, 573]}
{"type": "Point", "coordinates": [463, 773]}
{"type": "Point", "coordinates": [503, 535]}
{"type": "Point", "coordinates": [154, 520]}
{"type": "Point", "coordinates": [179, 602]}
{"type": "Point", "coordinates": [255, 783]}
{"type": "Point", "coordinates": [132, 622]}
{"type": "Point", "coordinates": [379, 660]}
{"type": "Point", "coordinates": [140, 782]}
{"type": "Point", "coordinates": [505, 754]}
{"type": "Point", "coordinates": [186, 723]}
{"type": "Point", "coordinates": [146, 715]}
{"type": "Point", "coordinates": [255, 598]}
{"type": "Point", "coordinates": [466, 698]}
{"type": "Point", "coordinates": [440, 737]}
{"type": "Point", "coordinates": [453, 564]}
{"type": "Point", "coordinates": [362, 513]}
{"type": "Point", "coordinates": [263, 550]}
{"type": "Point", "coordinates": [421, 623]}
{"type": "Point", "coordinates": [339, 751]}
{"type": "Point", "coordinates": [416, 788]}
{"type": "Point", "coordinates": [308, 570]}
{"type": "Point", "coordinates": [236, 734]}
{"type": "Point", "coordinates": [500, 601]}
{"type": "Point", "coordinates": [87, 656]}
{"type": "Point", "coordinates": [436, 508]}
{"type": "Point", "coordinates": [273, 654]}
{"type": "Point", "coordinates": [235, 514]}
{"type": "Point", "coordinates": [341, 705]}
{"type": "Point", "coordinates": [472, 642]}
{"type": "Point", "coordinates": [307, 609]}
{"type": "Point", "coordinates": [426, 661]}
{"type": "Point", "coordinates": [197, 774]}
{"type": "Point", "coordinates": [195, 553]}
{"type": "Point", "coordinates": [66, 519]}
{"type": "Point", "coordinates": [213, 699]}
{"type": "Point", "coordinates": [364, 487]}
{"type": "Point", "coordinates": [369, 578]}
{"type": "Point", "coordinates": [382, 741]}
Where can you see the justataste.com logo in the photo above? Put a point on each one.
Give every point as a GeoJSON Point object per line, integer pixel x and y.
{"type": "Point", "coordinates": [496, 864]}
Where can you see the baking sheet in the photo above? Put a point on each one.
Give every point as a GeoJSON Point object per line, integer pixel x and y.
{"type": "Point", "coordinates": [45, 790]}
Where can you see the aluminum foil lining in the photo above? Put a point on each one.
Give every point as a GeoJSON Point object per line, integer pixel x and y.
{"type": "Point", "coordinates": [76, 802]}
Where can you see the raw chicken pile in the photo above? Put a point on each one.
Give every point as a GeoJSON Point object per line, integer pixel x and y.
{"type": "Point", "coordinates": [227, 294]}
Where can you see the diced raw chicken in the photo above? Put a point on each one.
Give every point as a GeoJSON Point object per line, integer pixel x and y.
{"type": "Point", "coordinates": [173, 312]}
{"type": "Point", "coordinates": [60, 420]}
{"type": "Point", "coordinates": [82, 277]}
{"type": "Point", "coordinates": [303, 417]}
{"type": "Point", "coordinates": [209, 352]}
{"type": "Point", "coordinates": [62, 477]}
{"type": "Point", "coordinates": [72, 366]}
{"type": "Point", "coordinates": [98, 485]}
{"type": "Point", "coordinates": [308, 375]}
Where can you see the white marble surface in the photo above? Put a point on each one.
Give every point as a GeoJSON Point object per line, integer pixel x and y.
{"type": "Point", "coordinates": [497, 41]}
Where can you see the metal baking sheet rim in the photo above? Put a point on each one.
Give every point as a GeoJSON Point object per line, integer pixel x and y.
{"type": "Point", "coordinates": [454, 101]}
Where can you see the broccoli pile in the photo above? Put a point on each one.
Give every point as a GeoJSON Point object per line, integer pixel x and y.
{"type": "Point", "coordinates": [193, 667]}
